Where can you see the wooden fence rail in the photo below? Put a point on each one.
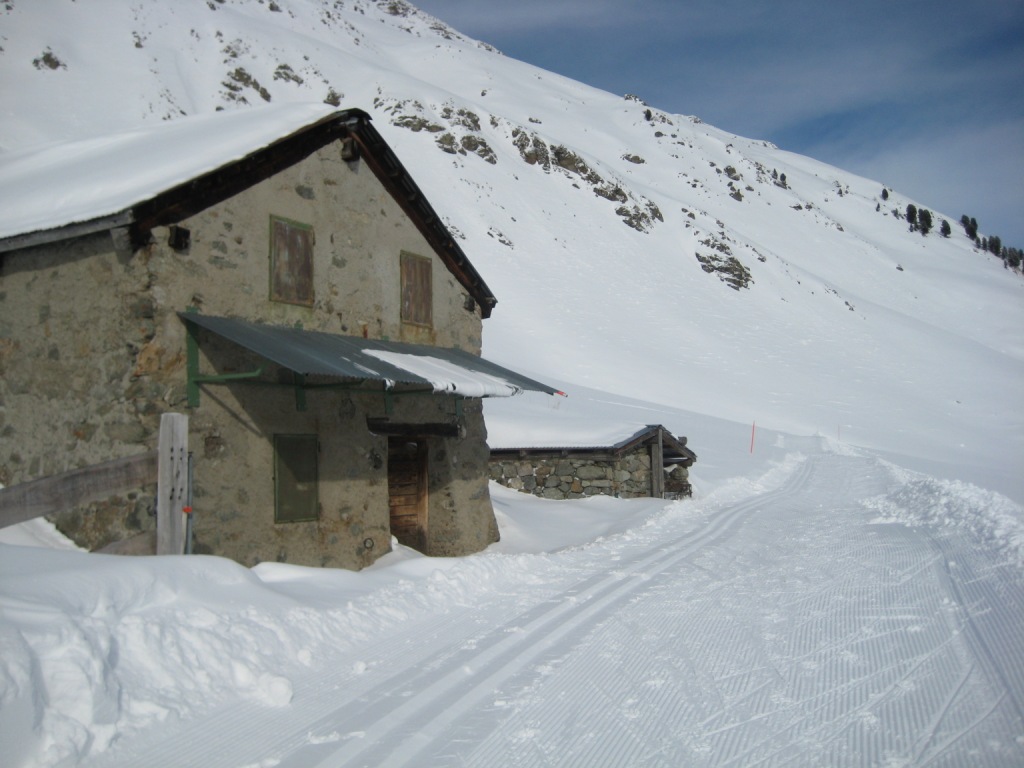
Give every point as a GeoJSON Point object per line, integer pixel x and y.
{"type": "Point", "coordinates": [56, 493]}
{"type": "Point", "coordinates": [168, 466]}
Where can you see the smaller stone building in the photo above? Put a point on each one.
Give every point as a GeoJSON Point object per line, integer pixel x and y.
{"type": "Point", "coordinates": [651, 462]}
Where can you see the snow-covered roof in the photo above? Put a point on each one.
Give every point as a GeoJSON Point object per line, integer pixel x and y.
{"type": "Point", "coordinates": [77, 181]}
{"type": "Point", "coordinates": [621, 440]}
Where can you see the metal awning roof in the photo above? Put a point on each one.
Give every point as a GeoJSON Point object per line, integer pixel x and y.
{"type": "Point", "coordinates": [315, 353]}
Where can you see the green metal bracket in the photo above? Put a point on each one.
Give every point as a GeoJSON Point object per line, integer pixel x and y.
{"type": "Point", "coordinates": [300, 392]}
{"type": "Point", "coordinates": [194, 378]}
{"type": "Point", "coordinates": [223, 378]}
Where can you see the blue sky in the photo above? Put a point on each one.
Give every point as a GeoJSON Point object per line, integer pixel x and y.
{"type": "Point", "coordinates": [925, 97]}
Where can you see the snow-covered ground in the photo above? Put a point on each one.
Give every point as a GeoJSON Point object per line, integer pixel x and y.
{"type": "Point", "coordinates": [827, 608]}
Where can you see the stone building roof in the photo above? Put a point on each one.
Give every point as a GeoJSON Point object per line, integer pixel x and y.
{"type": "Point", "coordinates": [674, 449]}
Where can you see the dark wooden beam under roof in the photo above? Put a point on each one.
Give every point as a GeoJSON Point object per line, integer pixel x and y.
{"type": "Point", "coordinates": [382, 426]}
{"type": "Point", "coordinates": [79, 229]}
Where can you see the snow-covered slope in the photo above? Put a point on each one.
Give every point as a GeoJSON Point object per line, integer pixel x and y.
{"type": "Point", "coordinates": [613, 234]}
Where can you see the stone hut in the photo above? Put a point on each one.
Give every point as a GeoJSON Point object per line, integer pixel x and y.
{"type": "Point", "coordinates": [278, 276]}
{"type": "Point", "coordinates": [651, 462]}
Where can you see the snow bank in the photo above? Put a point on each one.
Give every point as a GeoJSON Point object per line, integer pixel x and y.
{"type": "Point", "coordinates": [922, 500]}
{"type": "Point", "coordinates": [38, 532]}
{"type": "Point", "coordinates": [95, 646]}
{"type": "Point", "coordinates": [532, 524]}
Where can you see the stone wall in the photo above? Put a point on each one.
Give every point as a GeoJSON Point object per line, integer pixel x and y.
{"type": "Point", "coordinates": [576, 476]}
{"type": "Point", "coordinates": [677, 482]}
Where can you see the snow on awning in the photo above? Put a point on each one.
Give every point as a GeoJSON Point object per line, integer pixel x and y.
{"type": "Point", "coordinates": [446, 376]}
{"type": "Point", "coordinates": [315, 353]}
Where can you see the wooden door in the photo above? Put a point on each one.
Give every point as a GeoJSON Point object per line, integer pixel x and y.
{"type": "Point", "coordinates": [407, 491]}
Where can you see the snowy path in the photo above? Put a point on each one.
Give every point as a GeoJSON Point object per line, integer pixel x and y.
{"type": "Point", "coordinates": [785, 629]}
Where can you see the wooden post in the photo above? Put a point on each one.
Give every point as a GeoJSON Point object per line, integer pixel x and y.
{"type": "Point", "coordinates": [172, 484]}
{"type": "Point", "coordinates": [658, 466]}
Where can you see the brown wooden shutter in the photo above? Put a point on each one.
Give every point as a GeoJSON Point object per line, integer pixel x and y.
{"type": "Point", "coordinates": [417, 290]}
{"type": "Point", "coordinates": [291, 262]}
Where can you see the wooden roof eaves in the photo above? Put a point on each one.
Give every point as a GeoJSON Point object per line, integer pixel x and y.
{"type": "Point", "coordinates": [673, 448]}
{"type": "Point", "coordinates": [119, 220]}
{"type": "Point", "coordinates": [642, 436]}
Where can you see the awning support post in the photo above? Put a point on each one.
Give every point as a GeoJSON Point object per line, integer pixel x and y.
{"type": "Point", "coordinates": [191, 365]}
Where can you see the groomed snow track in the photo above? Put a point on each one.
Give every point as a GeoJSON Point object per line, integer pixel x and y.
{"type": "Point", "coordinates": [785, 629]}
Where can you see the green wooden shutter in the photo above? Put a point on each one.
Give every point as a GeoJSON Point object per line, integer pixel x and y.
{"type": "Point", "coordinates": [295, 478]}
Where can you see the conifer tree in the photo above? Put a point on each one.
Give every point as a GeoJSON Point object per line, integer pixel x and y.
{"type": "Point", "coordinates": [924, 221]}
{"type": "Point", "coordinates": [912, 216]}
{"type": "Point", "coordinates": [970, 226]}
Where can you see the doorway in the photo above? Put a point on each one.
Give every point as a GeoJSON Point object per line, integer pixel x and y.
{"type": "Point", "coordinates": [407, 491]}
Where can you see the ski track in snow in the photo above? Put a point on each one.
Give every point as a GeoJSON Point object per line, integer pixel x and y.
{"type": "Point", "coordinates": [784, 629]}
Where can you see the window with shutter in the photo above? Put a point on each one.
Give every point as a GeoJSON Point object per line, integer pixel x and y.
{"type": "Point", "coordinates": [295, 478]}
{"type": "Point", "coordinates": [417, 290]}
{"type": "Point", "coordinates": [291, 262]}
